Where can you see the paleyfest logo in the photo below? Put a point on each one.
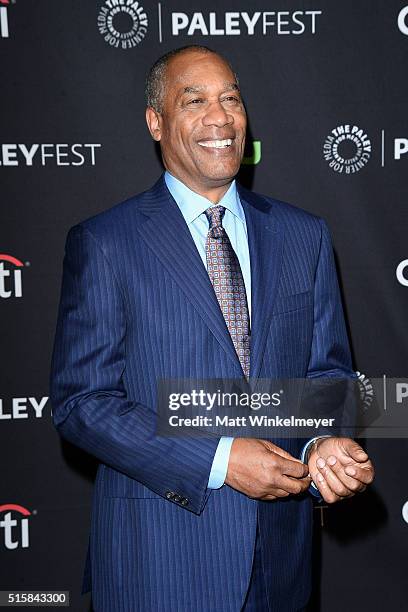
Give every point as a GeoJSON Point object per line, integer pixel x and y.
{"type": "Point", "coordinates": [347, 149]}
{"type": "Point", "coordinates": [61, 154]}
{"type": "Point", "coordinates": [23, 408]}
{"type": "Point", "coordinates": [122, 23]}
{"type": "Point", "coordinates": [235, 23]}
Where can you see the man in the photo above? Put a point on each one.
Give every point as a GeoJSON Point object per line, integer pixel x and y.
{"type": "Point", "coordinates": [198, 524]}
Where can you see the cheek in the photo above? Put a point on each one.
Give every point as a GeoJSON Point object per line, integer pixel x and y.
{"type": "Point", "coordinates": [241, 123]}
{"type": "Point", "coordinates": [174, 141]}
{"type": "Point", "coordinates": [242, 128]}
{"type": "Point", "coordinates": [181, 137]}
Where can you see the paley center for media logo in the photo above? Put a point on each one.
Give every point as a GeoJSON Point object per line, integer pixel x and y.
{"type": "Point", "coordinates": [405, 512]}
{"type": "Point", "coordinates": [402, 20]}
{"type": "Point", "coordinates": [15, 524]}
{"type": "Point", "coordinates": [122, 23]}
{"type": "Point", "coordinates": [348, 148]}
{"type": "Point", "coordinates": [402, 273]}
{"type": "Point", "coordinates": [11, 283]}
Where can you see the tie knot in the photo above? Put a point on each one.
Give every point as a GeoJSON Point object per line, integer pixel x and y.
{"type": "Point", "coordinates": [214, 215]}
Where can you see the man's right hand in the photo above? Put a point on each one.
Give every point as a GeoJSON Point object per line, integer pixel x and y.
{"type": "Point", "coordinates": [262, 470]}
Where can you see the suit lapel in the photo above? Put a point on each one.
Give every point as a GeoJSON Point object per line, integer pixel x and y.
{"type": "Point", "coordinates": [165, 232]}
{"type": "Point", "coordinates": [265, 238]}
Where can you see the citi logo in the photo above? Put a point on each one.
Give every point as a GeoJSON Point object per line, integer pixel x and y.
{"type": "Point", "coordinates": [4, 26]}
{"type": "Point", "coordinates": [10, 279]}
{"type": "Point", "coordinates": [16, 534]}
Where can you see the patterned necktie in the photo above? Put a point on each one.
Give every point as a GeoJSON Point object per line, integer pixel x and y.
{"type": "Point", "coordinates": [226, 277]}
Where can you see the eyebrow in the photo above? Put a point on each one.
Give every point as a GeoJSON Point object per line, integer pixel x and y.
{"type": "Point", "coordinates": [227, 87]}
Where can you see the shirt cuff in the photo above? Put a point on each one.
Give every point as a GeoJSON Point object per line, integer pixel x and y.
{"type": "Point", "coordinates": [312, 489]}
{"type": "Point", "coordinates": [219, 466]}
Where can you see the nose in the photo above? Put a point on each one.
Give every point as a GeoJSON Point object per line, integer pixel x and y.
{"type": "Point", "coordinates": [217, 115]}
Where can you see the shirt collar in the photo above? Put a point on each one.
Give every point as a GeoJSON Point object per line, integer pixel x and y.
{"type": "Point", "coordinates": [192, 205]}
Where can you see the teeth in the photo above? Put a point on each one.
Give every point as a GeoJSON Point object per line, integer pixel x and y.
{"type": "Point", "coordinates": [216, 144]}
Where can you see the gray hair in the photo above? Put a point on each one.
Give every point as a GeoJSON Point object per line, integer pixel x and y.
{"type": "Point", "coordinates": [156, 77]}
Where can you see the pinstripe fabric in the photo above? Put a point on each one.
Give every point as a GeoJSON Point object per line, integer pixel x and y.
{"type": "Point", "coordinates": [257, 595]}
{"type": "Point", "coordinates": [137, 305]}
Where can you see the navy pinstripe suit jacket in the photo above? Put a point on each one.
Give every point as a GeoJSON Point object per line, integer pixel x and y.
{"type": "Point", "coordinates": [137, 305]}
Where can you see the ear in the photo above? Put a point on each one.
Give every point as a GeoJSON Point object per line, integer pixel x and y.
{"type": "Point", "coordinates": [153, 120]}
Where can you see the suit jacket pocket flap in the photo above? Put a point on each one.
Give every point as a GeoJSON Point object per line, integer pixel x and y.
{"type": "Point", "coordinates": [295, 301]}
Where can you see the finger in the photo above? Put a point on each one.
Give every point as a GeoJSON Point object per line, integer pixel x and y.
{"type": "Point", "coordinates": [294, 486]}
{"type": "Point", "coordinates": [291, 467]}
{"type": "Point", "coordinates": [275, 494]}
{"type": "Point", "coordinates": [347, 475]}
{"type": "Point", "coordinates": [286, 455]}
{"type": "Point", "coordinates": [356, 452]}
{"type": "Point", "coordinates": [333, 481]}
{"type": "Point", "coordinates": [362, 473]}
{"type": "Point", "coordinates": [281, 452]}
{"type": "Point", "coordinates": [325, 491]}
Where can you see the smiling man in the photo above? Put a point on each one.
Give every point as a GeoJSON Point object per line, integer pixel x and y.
{"type": "Point", "coordinates": [199, 119]}
{"type": "Point", "coordinates": [198, 278]}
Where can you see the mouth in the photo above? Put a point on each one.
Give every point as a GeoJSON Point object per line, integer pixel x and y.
{"type": "Point", "coordinates": [216, 144]}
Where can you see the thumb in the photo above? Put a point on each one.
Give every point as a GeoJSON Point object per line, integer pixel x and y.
{"type": "Point", "coordinates": [282, 453]}
{"type": "Point", "coordinates": [356, 452]}
{"type": "Point", "coordinates": [273, 448]}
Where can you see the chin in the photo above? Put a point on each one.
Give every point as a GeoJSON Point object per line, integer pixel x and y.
{"type": "Point", "coordinates": [221, 173]}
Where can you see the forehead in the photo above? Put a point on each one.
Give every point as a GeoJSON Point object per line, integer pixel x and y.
{"type": "Point", "coordinates": [198, 69]}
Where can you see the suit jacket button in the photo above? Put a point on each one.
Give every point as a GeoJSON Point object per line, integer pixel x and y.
{"type": "Point", "coordinates": [169, 494]}
{"type": "Point", "coordinates": [177, 498]}
{"type": "Point", "coordinates": [184, 501]}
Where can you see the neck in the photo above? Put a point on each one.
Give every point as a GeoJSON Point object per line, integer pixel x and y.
{"type": "Point", "coordinates": [213, 193]}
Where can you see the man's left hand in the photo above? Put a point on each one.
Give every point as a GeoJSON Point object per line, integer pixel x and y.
{"type": "Point", "coordinates": [339, 468]}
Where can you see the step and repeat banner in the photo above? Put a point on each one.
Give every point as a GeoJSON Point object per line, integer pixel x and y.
{"type": "Point", "coordinates": [326, 89]}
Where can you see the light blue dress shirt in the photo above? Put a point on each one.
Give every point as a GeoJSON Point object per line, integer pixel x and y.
{"type": "Point", "coordinates": [192, 206]}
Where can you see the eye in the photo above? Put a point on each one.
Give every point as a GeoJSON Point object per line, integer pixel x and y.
{"type": "Point", "coordinates": [232, 99]}
{"type": "Point", "coordinates": [195, 101]}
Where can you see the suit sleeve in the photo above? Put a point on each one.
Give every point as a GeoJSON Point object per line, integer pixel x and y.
{"type": "Point", "coordinates": [330, 352]}
{"type": "Point", "coordinates": [90, 405]}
